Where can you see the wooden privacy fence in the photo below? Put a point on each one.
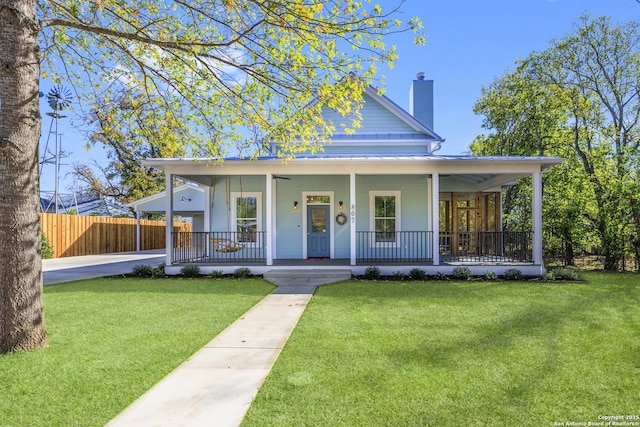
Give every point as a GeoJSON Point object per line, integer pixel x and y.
{"type": "Point", "coordinates": [73, 235]}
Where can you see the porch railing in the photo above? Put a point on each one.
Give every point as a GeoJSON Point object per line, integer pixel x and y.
{"type": "Point", "coordinates": [486, 246]}
{"type": "Point", "coordinates": [371, 247]}
{"type": "Point", "coordinates": [399, 246]}
{"type": "Point", "coordinates": [219, 247]}
{"type": "Point", "coordinates": [454, 246]}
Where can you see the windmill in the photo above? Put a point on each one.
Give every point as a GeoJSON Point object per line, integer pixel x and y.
{"type": "Point", "coordinates": [59, 98]}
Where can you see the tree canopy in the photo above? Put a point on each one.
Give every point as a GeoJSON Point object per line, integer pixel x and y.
{"type": "Point", "coordinates": [579, 99]}
{"type": "Point", "coordinates": [223, 74]}
{"type": "Point", "coordinates": [205, 76]}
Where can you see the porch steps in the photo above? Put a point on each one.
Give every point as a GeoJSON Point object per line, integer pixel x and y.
{"type": "Point", "coordinates": [301, 280]}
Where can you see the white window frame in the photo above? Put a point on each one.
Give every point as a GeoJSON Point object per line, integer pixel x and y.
{"type": "Point", "coordinates": [372, 217]}
{"type": "Point", "coordinates": [234, 214]}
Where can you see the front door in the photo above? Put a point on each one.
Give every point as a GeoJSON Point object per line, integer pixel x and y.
{"type": "Point", "coordinates": [318, 238]}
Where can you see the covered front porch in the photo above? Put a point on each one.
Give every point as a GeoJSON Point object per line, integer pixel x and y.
{"type": "Point", "coordinates": [431, 213]}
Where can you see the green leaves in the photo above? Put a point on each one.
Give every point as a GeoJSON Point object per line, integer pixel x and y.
{"type": "Point", "coordinates": [579, 99]}
{"type": "Point", "coordinates": [224, 69]}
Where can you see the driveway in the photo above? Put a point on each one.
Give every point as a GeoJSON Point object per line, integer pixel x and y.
{"type": "Point", "coordinates": [67, 269]}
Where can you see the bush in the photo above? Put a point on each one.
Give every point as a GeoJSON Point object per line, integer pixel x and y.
{"type": "Point", "coordinates": [190, 271]}
{"type": "Point", "coordinates": [46, 250]}
{"type": "Point", "coordinates": [142, 271]}
{"type": "Point", "coordinates": [158, 271]}
{"type": "Point", "coordinates": [242, 272]}
{"type": "Point", "coordinates": [398, 275]}
{"type": "Point", "coordinates": [461, 273]}
{"type": "Point", "coordinates": [565, 274]}
{"type": "Point", "coordinates": [417, 274]}
{"type": "Point", "coordinates": [440, 276]}
{"type": "Point", "coordinates": [513, 274]}
{"type": "Point", "coordinates": [216, 274]}
{"type": "Point", "coordinates": [372, 273]}
{"type": "Point", "coordinates": [489, 276]}
{"type": "Point", "coordinates": [547, 277]}
{"type": "Point", "coordinates": [148, 271]}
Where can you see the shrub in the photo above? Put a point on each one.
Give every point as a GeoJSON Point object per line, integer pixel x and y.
{"type": "Point", "coordinates": [489, 276]}
{"type": "Point", "coordinates": [372, 273]}
{"type": "Point", "coordinates": [461, 273]}
{"type": "Point", "coordinates": [46, 250]}
{"type": "Point", "coordinates": [440, 276]}
{"type": "Point", "coordinates": [513, 274]}
{"type": "Point", "coordinates": [417, 274]}
{"type": "Point", "coordinates": [216, 274]}
{"type": "Point", "coordinates": [158, 271]}
{"type": "Point", "coordinates": [565, 274]}
{"type": "Point", "coordinates": [241, 272]}
{"type": "Point", "coordinates": [142, 271]}
{"type": "Point", "coordinates": [547, 277]}
{"type": "Point", "coordinates": [398, 275]}
{"type": "Point", "coordinates": [190, 271]}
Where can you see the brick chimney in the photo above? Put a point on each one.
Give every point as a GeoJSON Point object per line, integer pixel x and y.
{"type": "Point", "coordinates": [421, 100]}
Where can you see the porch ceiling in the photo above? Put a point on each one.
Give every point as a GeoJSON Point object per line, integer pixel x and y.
{"type": "Point", "coordinates": [483, 172]}
{"type": "Point", "coordinates": [482, 182]}
{"type": "Point", "coordinates": [470, 178]}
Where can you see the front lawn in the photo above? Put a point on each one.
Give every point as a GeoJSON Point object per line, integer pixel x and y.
{"type": "Point", "coordinates": [459, 353]}
{"type": "Point", "coordinates": [110, 341]}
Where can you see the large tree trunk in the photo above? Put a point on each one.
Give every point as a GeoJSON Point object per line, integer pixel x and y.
{"type": "Point", "coordinates": [21, 313]}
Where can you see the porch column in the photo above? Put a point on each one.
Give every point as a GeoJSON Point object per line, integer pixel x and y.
{"type": "Point", "coordinates": [207, 219]}
{"type": "Point", "coordinates": [207, 210]}
{"type": "Point", "coordinates": [168, 189]}
{"type": "Point", "coordinates": [536, 216]}
{"type": "Point", "coordinates": [352, 217]}
{"type": "Point", "coordinates": [138, 237]}
{"type": "Point", "coordinates": [269, 218]}
{"type": "Point", "coordinates": [435, 221]}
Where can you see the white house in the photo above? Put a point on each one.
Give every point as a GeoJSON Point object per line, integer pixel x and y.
{"type": "Point", "coordinates": [380, 197]}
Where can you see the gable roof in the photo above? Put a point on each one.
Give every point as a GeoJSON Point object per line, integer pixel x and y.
{"type": "Point", "coordinates": [384, 124]}
{"type": "Point", "coordinates": [379, 106]}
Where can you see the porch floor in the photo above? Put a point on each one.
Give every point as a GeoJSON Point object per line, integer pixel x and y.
{"type": "Point", "coordinates": [345, 262]}
{"type": "Point", "coordinates": [388, 268]}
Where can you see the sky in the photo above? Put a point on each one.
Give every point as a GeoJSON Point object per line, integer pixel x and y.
{"type": "Point", "coordinates": [469, 44]}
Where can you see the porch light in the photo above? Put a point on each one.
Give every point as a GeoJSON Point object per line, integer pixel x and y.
{"type": "Point", "coordinates": [340, 205]}
{"type": "Point", "coordinates": [295, 206]}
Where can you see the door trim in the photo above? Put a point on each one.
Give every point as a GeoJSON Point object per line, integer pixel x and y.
{"type": "Point", "coordinates": [305, 194]}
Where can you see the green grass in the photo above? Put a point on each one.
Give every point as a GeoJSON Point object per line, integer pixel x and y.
{"type": "Point", "coordinates": [110, 341]}
{"type": "Point", "coordinates": [459, 353]}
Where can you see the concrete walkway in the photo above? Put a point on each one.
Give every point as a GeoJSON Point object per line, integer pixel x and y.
{"type": "Point", "coordinates": [216, 386]}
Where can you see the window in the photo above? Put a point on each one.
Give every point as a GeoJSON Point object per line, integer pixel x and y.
{"type": "Point", "coordinates": [385, 216]}
{"type": "Point", "coordinates": [318, 199]}
{"type": "Point", "coordinates": [247, 216]}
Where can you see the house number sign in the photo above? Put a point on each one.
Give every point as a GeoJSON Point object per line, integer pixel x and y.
{"type": "Point", "coordinates": [353, 214]}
